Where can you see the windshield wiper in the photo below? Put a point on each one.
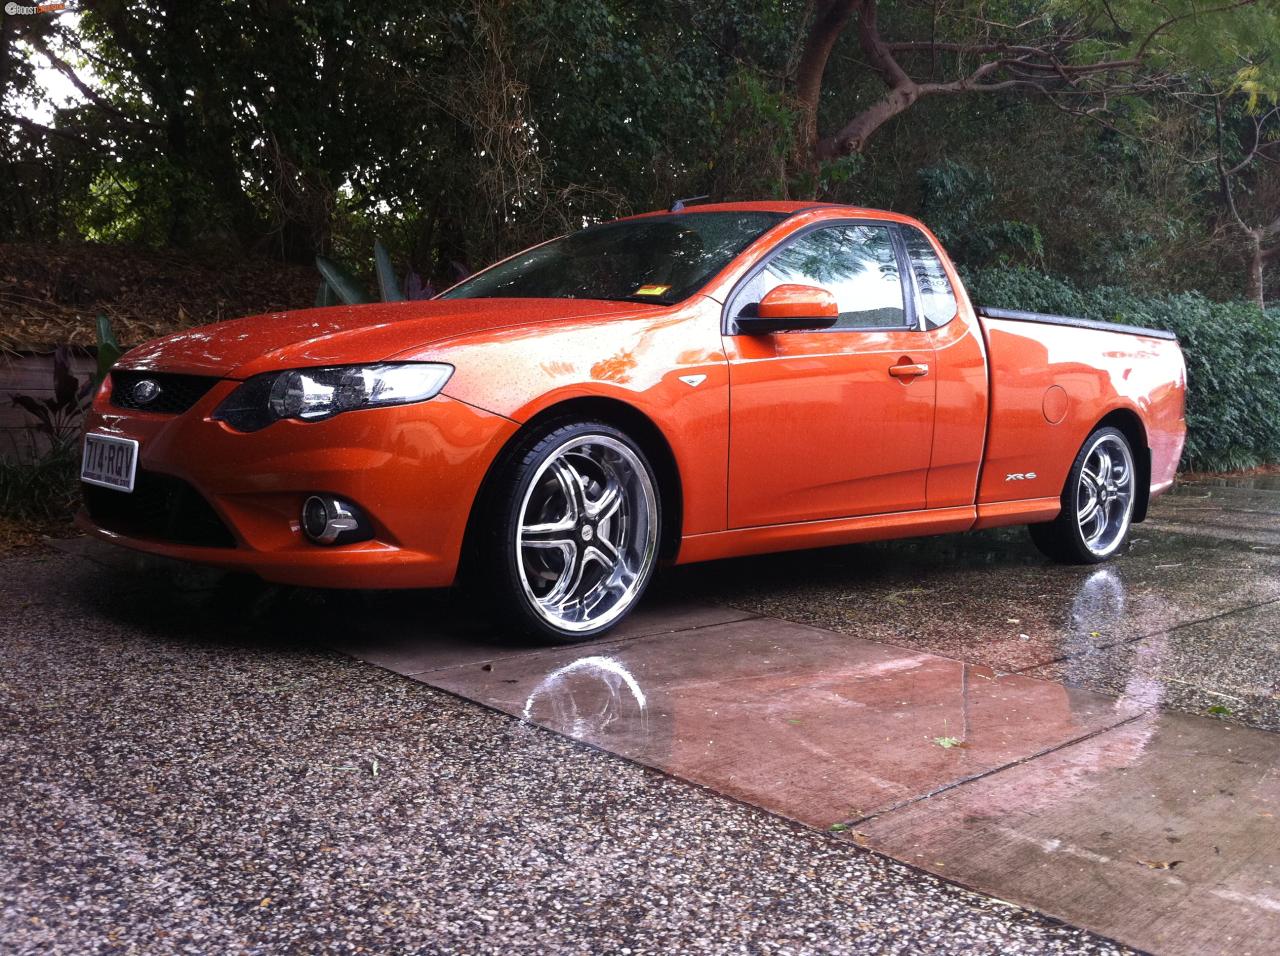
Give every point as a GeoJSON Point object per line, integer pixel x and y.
{"type": "Point", "coordinates": [642, 299]}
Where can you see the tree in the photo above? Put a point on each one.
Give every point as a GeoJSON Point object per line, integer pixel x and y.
{"type": "Point", "coordinates": [1078, 54]}
{"type": "Point", "coordinates": [1260, 163]}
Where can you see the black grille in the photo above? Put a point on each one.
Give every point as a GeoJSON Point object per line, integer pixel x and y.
{"type": "Point", "coordinates": [160, 507]}
{"type": "Point", "coordinates": [176, 393]}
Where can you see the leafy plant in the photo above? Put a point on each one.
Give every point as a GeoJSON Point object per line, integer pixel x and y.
{"type": "Point", "coordinates": [40, 489]}
{"type": "Point", "coordinates": [43, 486]}
{"type": "Point", "coordinates": [957, 202]}
{"type": "Point", "coordinates": [341, 285]}
{"type": "Point", "coordinates": [58, 417]}
{"type": "Point", "coordinates": [108, 349]}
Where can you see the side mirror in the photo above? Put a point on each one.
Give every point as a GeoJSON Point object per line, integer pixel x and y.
{"type": "Point", "coordinates": [790, 308]}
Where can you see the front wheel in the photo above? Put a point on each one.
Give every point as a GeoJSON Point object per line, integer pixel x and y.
{"type": "Point", "coordinates": [572, 531]}
{"type": "Point", "coordinates": [1097, 503]}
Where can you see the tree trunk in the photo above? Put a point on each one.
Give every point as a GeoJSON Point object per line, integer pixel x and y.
{"type": "Point", "coordinates": [855, 135]}
{"type": "Point", "coordinates": [1256, 259]}
{"type": "Point", "coordinates": [830, 19]}
{"type": "Point", "coordinates": [829, 23]}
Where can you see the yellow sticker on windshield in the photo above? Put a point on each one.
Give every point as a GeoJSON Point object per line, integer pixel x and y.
{"type": "Point", "coordinates": [652, 290]}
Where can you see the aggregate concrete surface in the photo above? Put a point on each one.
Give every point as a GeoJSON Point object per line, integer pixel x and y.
{"type": "Point", "coordinates": [183, 771]}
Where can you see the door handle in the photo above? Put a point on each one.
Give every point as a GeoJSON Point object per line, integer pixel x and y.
{"type": "Point", "coordinates": [908, 370]}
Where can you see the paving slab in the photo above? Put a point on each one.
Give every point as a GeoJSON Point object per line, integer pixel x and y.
{"type": "Point", "coordinates": [388, 633]}
{"type": "Point", "coordinates": [1256, 485]}
{"type": "Point", "coordinates": [990, 598]}
{"type": "Point", "coordinates": [816, 726]}
{"type": "Point", "coordinates": [1245, 510]}
{"type": "Point", "coordinates": [1164, 833]}
{"type": "Point", "coordinates": [1228, 667]}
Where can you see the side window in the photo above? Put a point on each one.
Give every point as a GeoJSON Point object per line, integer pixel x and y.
{"type": "Point", "coordinates": [937, 298]}
{"type": "Point", "coordinates": [854, 263]}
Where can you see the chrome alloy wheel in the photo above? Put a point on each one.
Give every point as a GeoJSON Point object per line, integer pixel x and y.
{"type": "Point", "coordinates": [1104, 495]}
{"type": "Point", "coordinates": [587, 533]}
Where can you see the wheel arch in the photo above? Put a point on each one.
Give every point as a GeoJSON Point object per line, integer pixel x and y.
{"type": "Point", "coordinates": [626, 418]}
{"type": "Point", "coordinates": [1129, 423]}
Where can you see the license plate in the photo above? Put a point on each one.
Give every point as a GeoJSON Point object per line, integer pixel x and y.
{"type": "Point", "coordinates": [109, 461]}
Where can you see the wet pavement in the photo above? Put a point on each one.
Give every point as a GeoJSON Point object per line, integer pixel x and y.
{"type": "Point", "coordinates": [184, 770]}
{"type": "Point", "coordinates": [1188, 618]}
{"type": "Point", "coordinates": [1097, 743]}
{"type": "Point", "coordinates": [812, 725]}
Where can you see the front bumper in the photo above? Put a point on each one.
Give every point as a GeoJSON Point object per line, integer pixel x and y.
{"type": "Point", "coordinates": [414, 470]}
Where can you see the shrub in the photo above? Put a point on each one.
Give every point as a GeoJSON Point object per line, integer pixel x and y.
{"type": "Point", "coordinates": [42, 490]}
{"type": "Point", "coordinates": [1232, 351]}
{"type": "Point", "coordinates": [43, 486]}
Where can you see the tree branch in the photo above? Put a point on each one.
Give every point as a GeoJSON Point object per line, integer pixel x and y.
{"type": "Point", "coordinates": [1258, 124]}
{"type": "Point", "coordinates": [830, 19]}
{"type": "Point", "coordinates": [877, 51]}
{"type": "Point", "coordinates": [1042, 66]}
{"type": "Point", "coordinates": [1161, 27]}
{"type": "Point", "coordinates": [96, 98]}
{"type": "Point", "coordinates": [1223, 176]}
{"type": "Point", "coordinates": [61, 132]}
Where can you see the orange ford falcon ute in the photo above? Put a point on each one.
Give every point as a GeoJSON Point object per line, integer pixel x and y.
{"type": "Point", "coordinates": [677, 386]}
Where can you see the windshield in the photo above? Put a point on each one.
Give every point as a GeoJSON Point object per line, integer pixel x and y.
{"type": "Point", "coordinates": [656, 259]}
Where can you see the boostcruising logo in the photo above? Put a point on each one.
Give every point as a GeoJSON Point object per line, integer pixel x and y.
{"type": "Point", "coordinates": [21, 10]}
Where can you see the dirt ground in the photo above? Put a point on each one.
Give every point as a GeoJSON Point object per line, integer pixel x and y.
{"type": "Point", "coordinates": [51, 294]}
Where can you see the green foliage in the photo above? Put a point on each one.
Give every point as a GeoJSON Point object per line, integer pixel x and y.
{"type": "Point", "coordinates": [754, 128]}
{"type": "Point", "coordinates": [43, 489]}
{"type": "Point", "coordinates": [43, 486]}
{"type": "Point", "coordinates": [957, 201]}
{"type": "Point", "coordinates": [108, 348]}
{"type": "Point", "coordinates": [461, 132]}
{"type": "Point", "coordinates": [1231, 349]}
{"type": "Point", "coordinates": [388, 284]}
{"type": "Point", "coordinates": [338, 278]}
{"type": "Point", "coordinates": [341, 285]}
{"type": "Point", "coordinates": [110, 211]}
{"type": "Point", "coordinates": [58, 417]}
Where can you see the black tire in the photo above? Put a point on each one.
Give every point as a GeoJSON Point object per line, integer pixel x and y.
{"type": "Point", "coordinates": [512, 574]}
{"type": "Point", "coordinates": [1088, 504]}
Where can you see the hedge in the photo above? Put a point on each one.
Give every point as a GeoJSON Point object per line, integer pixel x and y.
{"type": "Point", "coordinates": [1232, 352]}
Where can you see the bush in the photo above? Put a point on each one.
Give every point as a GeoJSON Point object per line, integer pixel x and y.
{"type": "Point", "coordinates": [42, 490]}
{"type": "Point", "coordinates": [1232, 352]}
{"type": "Point", "coordinates": [44, 486]}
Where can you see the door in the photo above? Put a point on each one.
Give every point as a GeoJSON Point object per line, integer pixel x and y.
{"type": "Point", "coordinates": [837, 422]}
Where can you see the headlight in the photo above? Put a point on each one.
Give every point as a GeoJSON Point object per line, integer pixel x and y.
{"type": "Point", "coordinates": [312, 394]}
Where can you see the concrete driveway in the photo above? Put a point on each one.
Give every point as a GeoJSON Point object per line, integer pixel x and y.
{"type": "Point", "coordinates": [1097, 744]}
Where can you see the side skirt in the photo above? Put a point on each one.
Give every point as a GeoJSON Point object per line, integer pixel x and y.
{"type": "Point", "coordinates": [819, 534]}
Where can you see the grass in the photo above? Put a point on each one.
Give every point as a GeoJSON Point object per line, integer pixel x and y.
{"type": "Point", "coordinates": [38, 497]}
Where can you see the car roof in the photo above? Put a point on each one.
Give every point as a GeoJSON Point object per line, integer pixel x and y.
{"type": "Point", "coordinates": [788, 208]}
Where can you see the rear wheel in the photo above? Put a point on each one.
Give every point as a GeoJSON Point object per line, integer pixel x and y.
{"type": "Point", "coordinates": [1097, 503]}
{"type": "Point", "coordinates": [572, 532]}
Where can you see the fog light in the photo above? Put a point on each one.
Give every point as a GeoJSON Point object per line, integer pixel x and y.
{"type": "Point", "coordinates": [329, 520]}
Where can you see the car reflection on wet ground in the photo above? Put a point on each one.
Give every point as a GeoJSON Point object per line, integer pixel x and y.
{"type": "Point", "coordinates": [1097, 743]}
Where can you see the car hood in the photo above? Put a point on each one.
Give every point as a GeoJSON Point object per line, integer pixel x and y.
{"type": "Point", "coordinates": [347, 335]}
